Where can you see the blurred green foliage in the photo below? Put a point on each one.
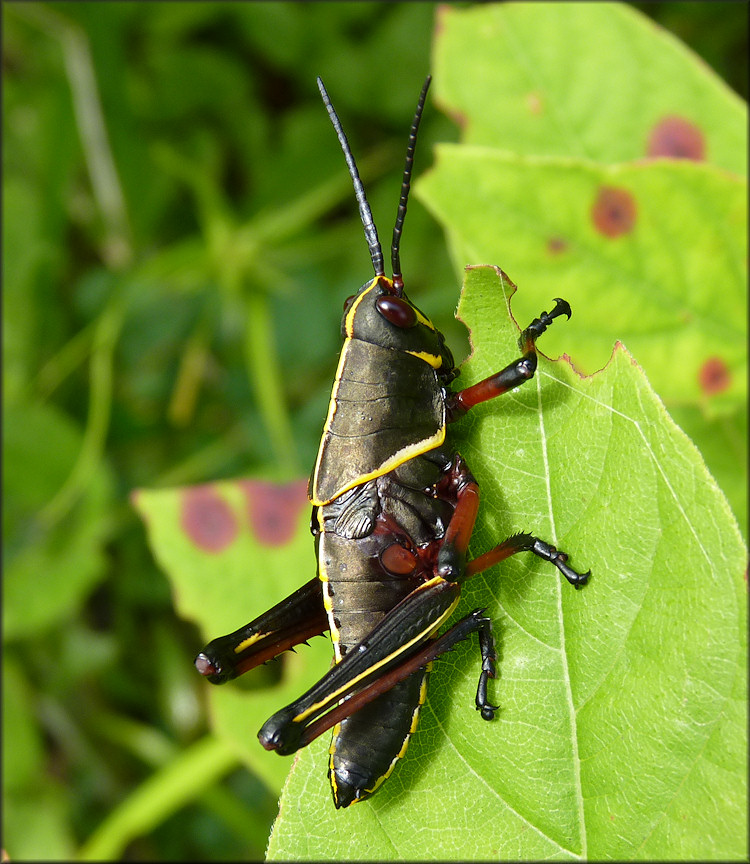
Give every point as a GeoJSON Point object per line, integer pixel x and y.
{"type": "Point", "coordinates": [178, 237]}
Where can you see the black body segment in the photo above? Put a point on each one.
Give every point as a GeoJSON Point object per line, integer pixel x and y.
{"type": "Point", "coordinates": [394, 508]}
{"type": "Point", "coordinates": [368, 743]}
{"type": "Point", "coordinates": [369, 429]}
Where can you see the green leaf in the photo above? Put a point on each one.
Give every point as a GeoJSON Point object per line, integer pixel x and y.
{"type": "Point", "coordinates": [232, 550]}
{"type": "Point", "coordinates": [650, 253]}
{"type": "Point", "coordinates": [669, 279]}
{"type": "Point", "coordinates": [722, 441]}
{"type": "Point", "coordinates": [621, 732]}
{"type": "Point", "coordinates": [598, 81]}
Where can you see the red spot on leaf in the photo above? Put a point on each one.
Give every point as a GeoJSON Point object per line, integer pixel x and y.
{"type": "Point", "coordinates": [534, 103]}
{"type": "Point", "coordinates": [714, 376]}
{"type": "Point", "coordinates": [207, 519]}
{"type": "Point", "coordinates": [614, 211]}
{"type": "Point", "coordinates": [556, 245]}
{"type": "Point", "coordinates": [677, 137]}
{"type": "Point", "coordinates": [273, 509]}
{"type": "Point", "coordinates": [441, 17]}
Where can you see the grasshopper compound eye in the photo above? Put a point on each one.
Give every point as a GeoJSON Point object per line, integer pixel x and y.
{"type": "Point", "coordinates": [397, 311]}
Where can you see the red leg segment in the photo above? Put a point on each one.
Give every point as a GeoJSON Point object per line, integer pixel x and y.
{"type": "Point", "coordinates": [515, 373]}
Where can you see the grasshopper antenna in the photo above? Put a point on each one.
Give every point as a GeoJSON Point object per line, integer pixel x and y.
{"type": "Point", "coordinates": [371, 232]}
{"type": "Point", "coordinates": [398, 282]}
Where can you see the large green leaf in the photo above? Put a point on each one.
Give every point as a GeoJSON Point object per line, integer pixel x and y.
{"type": "Point", "coordinates": [601, 159]}
{"type": "Point", "coordinates": [622, 725]}
{"type": "Point", "coordinates": [649, 253]}
{"type": "Point", "coordinates": [597, 81]}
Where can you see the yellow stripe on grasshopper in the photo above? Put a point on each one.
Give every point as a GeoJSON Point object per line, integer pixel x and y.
{"type": "Point", "coordinates": [420, 637]}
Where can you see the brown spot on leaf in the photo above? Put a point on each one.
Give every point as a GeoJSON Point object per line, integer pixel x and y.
{"type": "Point", "coordinates": [614, 211]}
{"type": "Point", "coordinates": [441, 17]}
{"type": "Point", "coordinates": [207, 519]}
{"type": "Point", "coordinates": [273, 509]}
{"type": "Point", "coordinates": [556, 245]}
{"type": "Point", "coordinates": [714, 376]}
{"type": "Point", "coordinates": [534, 103]}
{"type": "Point", "coordinates": [678, 138]}
{"type": "Point", "coordinates": [458, 117]}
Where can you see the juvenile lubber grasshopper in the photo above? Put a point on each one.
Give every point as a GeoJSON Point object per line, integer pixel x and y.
{"type": "Point", "coordinates": [394, 507]}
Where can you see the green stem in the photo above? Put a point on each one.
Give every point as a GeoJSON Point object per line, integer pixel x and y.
{"type": "Point", "coordinates": [163, 793]}
{"type": "Point", "coordinates": [65, 361]}
{"type": "Point", "coordinates": [116, 245]}
{"type": "Point", "coordinates": [265, 374]}
{"type": "Point", "coordinates": [97, 423]}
